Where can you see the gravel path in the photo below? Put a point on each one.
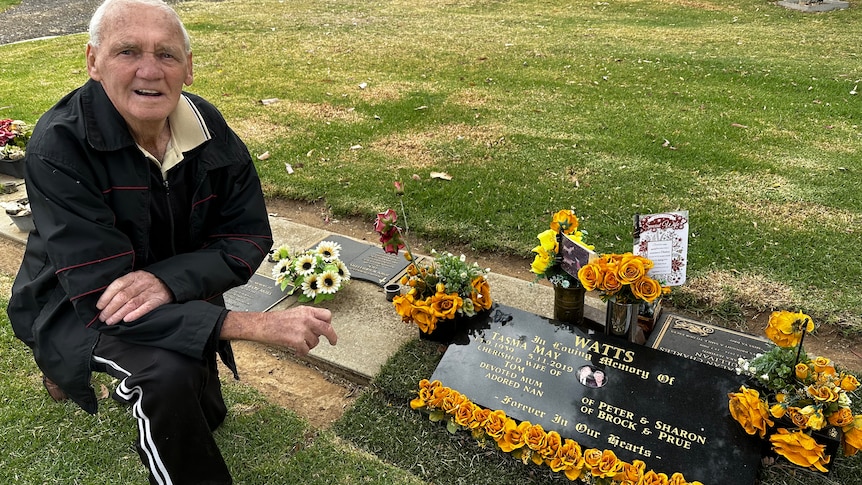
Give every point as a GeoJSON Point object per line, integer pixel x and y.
{"type": "Point", "coordinates": [33, 19]}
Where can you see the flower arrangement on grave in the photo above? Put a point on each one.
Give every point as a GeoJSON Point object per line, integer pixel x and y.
{"type": "Point", "coordinates": [14, 135]}
{"type": "Point", "coordinates": [622, 278]}
{"type": "Point", "coordinates": [444, 288]}
{"type": "Point", "coordinates": [317, 272]}
{"type": "Point", "coordinates": [530, 443]}
{"type": "Point", "coordinates": [796, 396]}
{"type": "Point", "coordinates": [546, 263]}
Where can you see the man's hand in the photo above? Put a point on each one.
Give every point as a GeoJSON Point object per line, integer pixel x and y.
{"type": "Point", "coordinates": [132, 296]}
{"type": "Point", "coordinates": [299, 328]}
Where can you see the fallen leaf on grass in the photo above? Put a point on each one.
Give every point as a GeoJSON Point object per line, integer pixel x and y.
{"type": "Point", "coordinates": [441, 176]}
{"type": "Point", "coordinates": [263, 156]}
{"type": "Point", "coordinates": [268, 101]}
{"type": "Point", "coordinates": [737, 125]}
{"type": "Point", "coordinates": [288, 168]}
{"type": "Point", "coordinates": [667, 145]}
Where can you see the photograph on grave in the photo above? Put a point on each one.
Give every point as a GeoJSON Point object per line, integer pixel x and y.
{"type": "Point", "coordinates": [605, 393]}
{"type": "Point", "coordinates": [705, 343]}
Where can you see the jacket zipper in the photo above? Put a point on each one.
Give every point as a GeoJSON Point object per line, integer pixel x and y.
{"type": "Point", "coordinates": [170, 216]}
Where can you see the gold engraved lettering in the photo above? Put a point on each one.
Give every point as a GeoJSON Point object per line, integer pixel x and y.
{"type": "Point", "coordinates": [615, 441]}
{"type": "Point", "coordinates": [508, 401]}
{"type": "Point", "coordinates": [680, 437]}
{"type": "Point", "coordinates": [624, 367]}
{"type": "Point", "coordinates": [694, 328]}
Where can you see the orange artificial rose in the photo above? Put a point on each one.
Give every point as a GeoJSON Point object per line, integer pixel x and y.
{"type": "Point", "coordinates": [464, 414]}
{"type": "Point", "coordinates": [513, 438]}
{"type": "Point", "coordinates": [802, 371]}
{"type": "Point", "coordinates": [800, 449]}
{"type": "Point", "coordinates": [590, 276]}
{"type": "Point", "coordinates": [438, 395]}
{"type": "Point", "coordinates": [569, 459]}
{"type": "Point", "coordinates": [849, 382]}
{"type": "Point", "coordinates": [480, 417]}
{"type": "Point", "coordinates": [816, 420]}
{"type": "Point", "coordinates": [423, 315]}
{"type": "Point", "coordinates": [797, 418]}
{"type": "Point", "coordinates": [630, 269]}
{"type": "Point", "coordinates": [646, 289]}
{"type": "Point", "coordinates": [564, 221]}
{"type": "Point", "coordinates": [404, 305]}
{"type": "Point", "coordinates": [452, 401]}
{"type": "Point", "coordinates": [445, 305]}
{"type": "Point", "coordinates": [495, 426]}
{"type": "Point", "coordinates": [592, 457]}
{"type": "Point", "coordinates": [481, 294]}
{"type": "Point", "coordinates": [426, 389]}
{"type": "Point", "coordinates": [840, 418]}
{"type": "Point", "coordinates": [535, 437]}
{"type": "Point", "coordinates": [631, 473]}
{"type": "Point", "coordinates": [553, 442]}
{"type": "Point", "coordinates": [822, 393]}
{"type": "Point", "coordinates": [609, 465]}
{"type": "Point", "coordinates": [785, 328]}
{"type": "Point", "coordinates": [677, 479]}
{"type": "Point", "coordinates": [610, 284]}
{"type": "Point", "coordinates": [653, 478]}
{"type": "Point", "coordinates": [822, 365]}
{"type": "Point", "coordinates": [749, 411]}
{"type": "Point", "coordinates": [852, 438]}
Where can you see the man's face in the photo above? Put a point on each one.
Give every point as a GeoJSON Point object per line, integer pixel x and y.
{"type": "Point", "coordinates": [141, 63]}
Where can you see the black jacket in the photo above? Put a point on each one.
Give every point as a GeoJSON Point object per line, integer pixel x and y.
{"type": "Point", "coordinates": [102, 210]}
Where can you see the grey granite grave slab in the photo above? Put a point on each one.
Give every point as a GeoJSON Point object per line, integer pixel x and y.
{"type": "Point", "coordinates": [823, 6]}
{"type": "Point", "coordinates": [705, 343]}
{"type": "Point", "coordinates": [605, 393]}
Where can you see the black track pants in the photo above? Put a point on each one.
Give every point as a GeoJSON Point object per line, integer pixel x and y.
{"type": "Point", "coordinates": [177, 402]}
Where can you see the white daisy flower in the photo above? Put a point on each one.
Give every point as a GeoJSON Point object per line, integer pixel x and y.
{"type": "Point", "coordinates": [305, 264]}
{"type": "Point", "coordinates": [343, 272]}
{"type": "Point", "coordinates": [311, 286]}
{"type": "Point", "coordinates": [281, 270]}
{"type": "Point", "coordinates": [329, 250]}
{"type": "Point", "coordinates": [328, 282]}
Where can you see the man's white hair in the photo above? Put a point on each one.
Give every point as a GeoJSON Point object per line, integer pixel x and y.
{"type": "Point", "coordinates": [97, 22]}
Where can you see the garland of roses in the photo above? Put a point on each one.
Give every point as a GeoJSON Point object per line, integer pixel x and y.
{"type": "Point", "coordinates": [530, 442]}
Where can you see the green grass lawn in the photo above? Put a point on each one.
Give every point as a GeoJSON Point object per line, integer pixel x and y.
{"type": "Point", "coordinates": [743, 113]}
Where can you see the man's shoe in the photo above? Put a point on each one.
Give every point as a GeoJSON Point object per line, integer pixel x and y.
{"type": "Point", "coordinates": [54, 390]}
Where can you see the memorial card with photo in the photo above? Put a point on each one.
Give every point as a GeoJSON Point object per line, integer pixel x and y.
{"type": "Point", "coordinates": [574, 255]}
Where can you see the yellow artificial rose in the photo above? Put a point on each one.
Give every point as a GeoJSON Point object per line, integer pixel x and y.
{"type": "Point", "coordinates": [553, 442]}
{"type": "Point", "coordinates": [777, 410]}
{"type": "Point", "coordinates": [423, 315]}
{"type": "Point", "coordinates": [513, 438]}
{"type": "Point", "coordinates": [630, 269]}
{"type": "Point", "coordinates": [677, 479]}
{"type": "Point", "coordinates": [802, 371]}
{"type": "Point", "coordinates": [426, 390]}
{"type": "Point", "coordinates": [749, 411]}
{"type": "Point", "coordinates": [631, 473]}
{"type": "Point", "coordinates": [822, 365]}
{"type": "Point", "coordinates": [541, 262]}
{"type": "Point", "coordinates": [535, 437]}
{"type": "Point", "coordinates": [445, 305]}
{"type": "Point", "coordinates": [592, 457]}
{"type": "Point", "coordinates": [564, 221]}
{"type": "Point", "coordinates": [590, 276]}
{"type": "Point", "coordinates": [852, 438]}
{"type": "Point", "coordinates": [653, 478]}
{"type": "Point", "coordinates": [495, 426]}
{"type": "Point", "coordinates": [840, 418]}
{"type": "Point", "coordinates": [797, 418]}
{"type": "Point", "coordinates": [437, 396]}
{"type": "Point", "coordinates": [822, 393]}
{"type": "Point", "coordinates": [404, 306]}
{"type": "Point", "coordinates": [849, 382]}
{"type": "Point", "coordinates": [464, 414]}
{"type": "Point", "coordinates": [481, 294]}
{"type": "Point", "coordinates": [609, 465]}
{"type": "Point", "coordinates": [569, 459]}
{"type": "Point", "coordinates": [480, 417]}
{"type": "Point", "coordinates": [610, 284]}
{"type": "Point", "coordinates": [800, 449]}
{"type": "Point", "coordinates": [785, 328]}
{"type": "Point", "coordinates": [815, 417]}
{"type": "Point", "coordinates": [548, 241]}
{"type": "Point", "coordinates": [646, 289]}
{"type": "Point", "coordinates": [452, 401]}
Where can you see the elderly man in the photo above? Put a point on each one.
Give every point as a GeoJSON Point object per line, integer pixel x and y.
{"type": "Point", "coordinates": [147, 209]}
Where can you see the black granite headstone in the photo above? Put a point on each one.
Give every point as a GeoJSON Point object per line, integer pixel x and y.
{"type": "Point", "coordinates": [368, 262]}
{"type": "Point", "coordinates": [258, 295]}
{"type": "Point", "coordinates": [605, 393]}
{"type": "Point", "coordinates": [705, 343]}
